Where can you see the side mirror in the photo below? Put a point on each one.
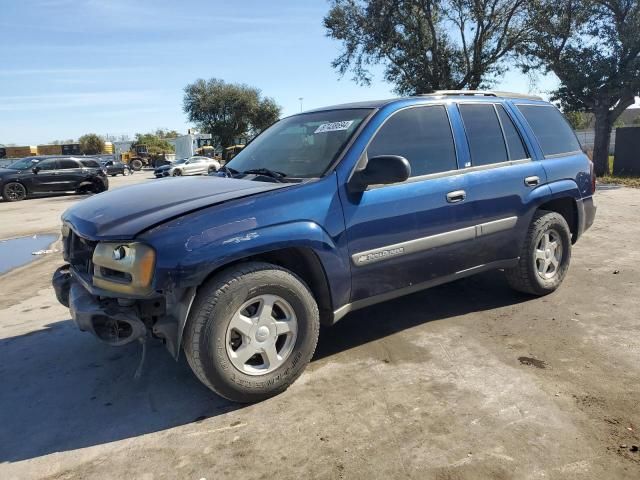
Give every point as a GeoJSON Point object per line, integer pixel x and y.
{"type": "Point", "coordinates": [381, 170]}
{"type": "Point", "coordinates": [35, 169]}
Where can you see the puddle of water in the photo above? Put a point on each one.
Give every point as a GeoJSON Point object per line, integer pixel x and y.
{"type": "Point", "coordinates": [18, 251]}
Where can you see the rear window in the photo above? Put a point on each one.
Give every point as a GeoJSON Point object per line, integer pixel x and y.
{"type": "Point", "coordinates": [552, 130]}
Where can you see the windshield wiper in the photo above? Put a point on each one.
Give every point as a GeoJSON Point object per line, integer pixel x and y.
{"type": "Point", "coordinates": [266, 172]}
{"type": "Point", "coordinates": [229, 171]}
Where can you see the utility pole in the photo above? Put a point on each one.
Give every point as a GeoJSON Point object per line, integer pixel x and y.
{"type": "Point", "coordinates": [300, 98]}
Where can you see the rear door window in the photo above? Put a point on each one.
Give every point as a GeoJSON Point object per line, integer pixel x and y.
{"type": "Point", "coordinates": [66, 164]}
{"type": "Point", "coordinates": [90, 163]}
{"type": "Point", "coordinates": [515, 148]}
{"type": "Point", "coordinates": [422, 135]}
{"type": "Point", "coordinates": [552, 130]}
{"type": "Point", "coordinates": [484, 134]}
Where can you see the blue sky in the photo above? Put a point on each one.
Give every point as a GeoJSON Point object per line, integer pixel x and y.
{"type": "Point", "coordinates": [69, 67]}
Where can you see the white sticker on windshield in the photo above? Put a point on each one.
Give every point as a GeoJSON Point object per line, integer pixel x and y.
{"type": "Point", "coordinates": [334, 127]}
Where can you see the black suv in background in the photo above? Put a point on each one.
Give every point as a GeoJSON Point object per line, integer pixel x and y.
{"type": "Point", "coordinates": [35, 175]}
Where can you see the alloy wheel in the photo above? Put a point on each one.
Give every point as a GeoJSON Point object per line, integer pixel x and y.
{"type": "Point", "coordinates": [15, 192]}
{"type": "Point", "coordinates": [261, 334]}
{"type": "Point", "coordinates": [548, 254]}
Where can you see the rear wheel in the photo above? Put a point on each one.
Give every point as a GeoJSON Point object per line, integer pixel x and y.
{"type": "Point", "coordinates": [251, 332]}
{"type": "Point", "coordinates": [126, 172]}
{"type": "Point", "coordinates": [14, 192]}
{"type": "Point", "coordinates": [545, 256]}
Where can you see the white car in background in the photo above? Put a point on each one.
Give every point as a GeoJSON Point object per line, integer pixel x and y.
{"type": "Point", "coordinates": [194, 166]}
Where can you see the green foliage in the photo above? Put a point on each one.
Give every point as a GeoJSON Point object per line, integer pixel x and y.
{"type": "Point", "coordinates": [228, 111]}
{"type": "Point", "coordinates": [427, 45]}
{"type": "Point", "coordinates": [91, 144]}
{"type": "Point", "coordinates": [156, 142]}
{"type": "Point", "coordinates": [593, 47]}
{"type": "Point", "coordinates": [578, 120]}
{"type": "Point", "coordinates": [162, 133]}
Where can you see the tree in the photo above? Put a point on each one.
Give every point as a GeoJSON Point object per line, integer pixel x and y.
{"type": "Point", "coordinates": [593, 47]}
{"type": "Point", "coordinates": [228, 111]}
{"type": "Point", "coordinates": [578, 120]}
{"type": "Point", "coordinates": [162, 133]}
{"type": "Point", "coordinates": [427, 45]}
{"type": "Point", "coordinates": [91, 144]}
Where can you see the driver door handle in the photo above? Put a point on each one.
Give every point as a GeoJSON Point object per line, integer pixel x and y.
{"type": "Point", "coordinates": [532, 181]}
{"type": "Point", "coordinates": [456, 196]}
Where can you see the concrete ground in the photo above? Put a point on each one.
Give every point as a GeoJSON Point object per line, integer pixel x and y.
{"type": "Point", "coordinates": [465, 381]}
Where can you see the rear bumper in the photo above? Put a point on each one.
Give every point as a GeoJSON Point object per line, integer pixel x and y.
{"type": "Point", "coordinates": [586, 215]}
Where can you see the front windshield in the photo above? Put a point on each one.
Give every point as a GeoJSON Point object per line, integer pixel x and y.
{"type": "Point", "coordinates": [301, 146]}
{"type": "Point", "coordinates": [24, 164]}
{"type": "Point", "coordinates": [182, 160]}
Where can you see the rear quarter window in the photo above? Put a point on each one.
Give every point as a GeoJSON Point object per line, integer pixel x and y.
{"type": "Point", "coordinates": [553, 132]}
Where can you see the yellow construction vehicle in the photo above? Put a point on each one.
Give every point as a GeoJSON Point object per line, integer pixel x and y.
{"type": "Point", "coordinates": [205, 151]}
{"type": "Point", "coordinates": [137, 157]}
{"type": "Point", "coordinates": [231, 152]}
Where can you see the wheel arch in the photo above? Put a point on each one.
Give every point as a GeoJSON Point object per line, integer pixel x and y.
{"type": "Point", "coordinates": [563, 198]}
{"type": "Point", "coordinates": [566, 206]}
{"type": "Point", "coordinates": [303, 262]}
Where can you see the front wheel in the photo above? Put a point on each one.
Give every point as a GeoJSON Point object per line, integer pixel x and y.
{"type": "Point", "coordinates": [126, 172]}
{"type": "Point", "coordinates": [14, 192]}
{"type": "Point", "coordinates": [545, 256]}
{"type": "Point", "coordinates": [177, 172]}
{"type": "Point", "coordinates": [251, 332]}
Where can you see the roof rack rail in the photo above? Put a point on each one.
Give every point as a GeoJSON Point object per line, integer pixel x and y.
{"type": "Point", "coordinates": [480, 93]}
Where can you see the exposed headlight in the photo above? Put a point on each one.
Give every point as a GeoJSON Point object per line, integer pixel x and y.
{"type": "Point", "coordinates": [124, 267]}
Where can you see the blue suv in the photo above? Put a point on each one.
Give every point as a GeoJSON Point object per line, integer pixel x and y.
{"type": "Point", "coordinates": [324, 213]}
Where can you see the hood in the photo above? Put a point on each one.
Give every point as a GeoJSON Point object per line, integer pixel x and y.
{"type": "Point", "coordinates": [165, 167]}
{"type": "Point", "coordinates": [123, 213]}
{"type": "Point", "coordinates": [7, 171]}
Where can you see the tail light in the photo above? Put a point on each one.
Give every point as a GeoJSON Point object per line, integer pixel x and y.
{"type": "Point", "coordinates": [593, 177]}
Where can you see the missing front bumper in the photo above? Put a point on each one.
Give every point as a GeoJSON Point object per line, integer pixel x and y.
{"type": "Point", "coordinates": [118, 319]}
{"type": "Point", "coordinates": [112, 323]}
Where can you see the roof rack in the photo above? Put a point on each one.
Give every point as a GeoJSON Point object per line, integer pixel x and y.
{"type": "Point", "coordinates": [480, 93]}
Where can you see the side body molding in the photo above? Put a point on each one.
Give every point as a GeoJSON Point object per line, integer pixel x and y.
{"type": "Point", "coordinates": [433, 241]}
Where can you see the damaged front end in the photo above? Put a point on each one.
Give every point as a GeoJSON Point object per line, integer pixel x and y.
{"type": "Point", "coordinates": [107, 288]}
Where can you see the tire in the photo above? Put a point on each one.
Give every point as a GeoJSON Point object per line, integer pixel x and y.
{"type": "Point", "coordinates": [209, 339]}
{"type": "Point", "coordinates": [126, 172]}
{"type": "Point", "coordinates": [97, 187]}
{"type": "Point", "coordinates": [177, 172]}
{"type": "Point", "coordinates": [136, 164]}
{"type": "Point", "coordinates": [536, 273]}
{"type": "Point", "coordinates": [14, 192]}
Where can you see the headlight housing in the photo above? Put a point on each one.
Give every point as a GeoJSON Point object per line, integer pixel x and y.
{"type": "Point", "coordinates": [124, 267]}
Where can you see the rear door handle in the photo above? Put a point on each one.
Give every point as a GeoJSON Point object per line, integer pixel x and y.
{"type": "Point", "coordinates": [532, 181]}
{"type": "Point", "coordinates": [456, 196]}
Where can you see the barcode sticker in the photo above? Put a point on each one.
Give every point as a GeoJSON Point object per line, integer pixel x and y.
{"type": "Point", "coordinates": [334, 126]}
